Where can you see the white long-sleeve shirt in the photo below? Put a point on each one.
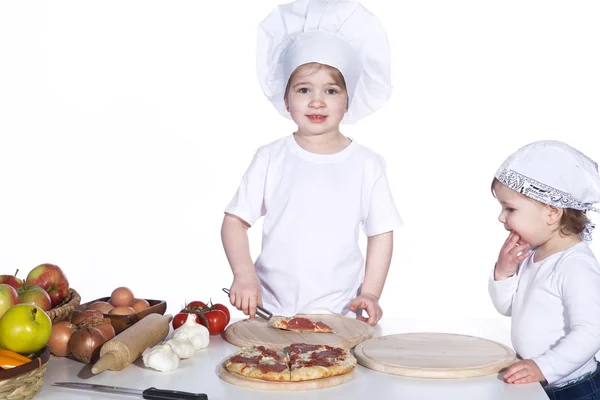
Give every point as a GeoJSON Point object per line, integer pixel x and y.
{"type": "Point", "coordinates": [555, 308]}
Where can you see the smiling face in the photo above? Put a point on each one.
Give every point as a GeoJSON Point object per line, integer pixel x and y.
{"type": "Point", "coordinates": [316, 99]}
{"type": "Point", "coordinates": [533, 221]}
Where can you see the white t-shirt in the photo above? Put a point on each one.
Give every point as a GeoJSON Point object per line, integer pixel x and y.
{"type": "Point", "coordinates": [555, 309]}
{"type": "Point", "coordinates": [313, 206]}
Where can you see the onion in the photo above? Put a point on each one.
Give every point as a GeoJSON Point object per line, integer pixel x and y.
{"type": "Point", "coordinates": [59, 340]}
{"type": "Point", "coordinates": [105, 326]}
{"type": "Point", "coordinates": [85, 344]}
{"type": "Point", "coordinates": [77, 319]}
{"type": "Point", "coordinates": [102, 306]}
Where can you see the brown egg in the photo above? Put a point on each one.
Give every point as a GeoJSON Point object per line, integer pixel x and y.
{"type": "Point", "coordinates": [121, 296]}
{"type": "Point", "coordinates": [101, 306]}
{"type": "Point", "coordinates": [122, 310]}
{"type": "Point", "coordinates": [139, 304]}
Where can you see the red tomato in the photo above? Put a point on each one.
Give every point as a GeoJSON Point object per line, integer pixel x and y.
{"type": "Point", "coordinates": [192, 304]}
{"type": "Point", "coordinates": [180, 319]}
{"type": "Point", "coordinates": [217, 320]}
{"type": "Point", "coordinates": [224, 309]}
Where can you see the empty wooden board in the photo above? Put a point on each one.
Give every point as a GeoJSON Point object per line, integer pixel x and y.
{"type": "Point", "coordinates": [348, 332]}
{"type": "Point", "coordinates": [258, 384]}
{"type": "Point", "coordinates": [434, 355]}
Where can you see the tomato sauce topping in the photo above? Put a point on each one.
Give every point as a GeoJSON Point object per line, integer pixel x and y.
{"type": "Point", "coordinates": [333, 353]}
{"type": "Point", "coordinates": [303, 347]}
{"type": "Point", "coordinates": [277, 367]}
{"type": "Point", "coordinates": [315, 362]}
{"type": "Point", "coordinates": [323, 326]}
{"type": "Point", "coordinates": [300, 323]}
{"type": "Point", "coordinates": [247, 360]}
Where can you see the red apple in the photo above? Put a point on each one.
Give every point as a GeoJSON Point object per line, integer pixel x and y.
{"type": "Point", "coordinates": [52, 279]}
{"type": "Point", "coordinates": [8, 297]}
{"type": "Point", "coordinates": [33, 294]}
{"type": "Point", "coordinates": [12, 280]}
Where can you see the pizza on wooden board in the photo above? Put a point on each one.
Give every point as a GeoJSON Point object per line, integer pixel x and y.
{"type": "Point", "coordinates": [300, 324]}
{"type": "Point", "coordinates": [297, 363]}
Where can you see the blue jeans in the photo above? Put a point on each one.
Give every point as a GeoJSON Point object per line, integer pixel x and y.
{"type": "Point", "coordinates": [585, 389]}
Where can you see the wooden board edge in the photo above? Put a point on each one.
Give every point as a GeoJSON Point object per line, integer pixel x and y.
{"type": "Point", "coordinates": [248, 383]}
{"type": "Point", "coordinates": [416, 372]}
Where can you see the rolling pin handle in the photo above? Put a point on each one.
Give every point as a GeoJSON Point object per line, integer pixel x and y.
{"type": "Point", "coordinates": [108, 360]}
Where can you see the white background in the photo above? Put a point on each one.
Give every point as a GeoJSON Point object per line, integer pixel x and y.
{"type": "Point", "coordinates": [125, 127]}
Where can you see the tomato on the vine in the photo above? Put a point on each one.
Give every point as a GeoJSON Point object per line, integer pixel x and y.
{"type": "Point", "coordinates": [221, 307]}
{"type": "Point", "coordinates": [180, 319]}
{"type": "Point", "coordinates": [217, 320]}
{"type": "Point", "coordinates": [193, 304]}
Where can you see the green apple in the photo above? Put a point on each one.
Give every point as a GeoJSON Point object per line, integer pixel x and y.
{"type": "Point", "coordinates": [25, 329]}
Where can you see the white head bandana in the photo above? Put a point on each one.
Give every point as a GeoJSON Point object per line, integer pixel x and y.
{"type": "Point", "coordinates": [339, 33]}
{"type": "Point", "coordinates": [556, 174]}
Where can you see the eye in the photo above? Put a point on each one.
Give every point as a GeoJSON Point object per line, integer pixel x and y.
{"type": "Point", "coordinates": [509, 209]}
{"type": "Point", "coordinates": [331, 91]}
{"type": "Point", "coordinates": [303, 90]}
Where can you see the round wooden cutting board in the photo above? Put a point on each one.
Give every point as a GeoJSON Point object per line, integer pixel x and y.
{"type": "Point", "coordinates": [242, 381]}
{"type": "Point", "coordinates": [348, 332]}
{"type": "Point", "coordinates": [434, 355]}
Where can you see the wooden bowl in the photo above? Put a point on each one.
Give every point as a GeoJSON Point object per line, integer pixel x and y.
{"type": "Point", "coordinates": [122, 322]}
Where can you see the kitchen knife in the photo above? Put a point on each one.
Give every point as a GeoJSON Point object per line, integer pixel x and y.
{"type": "Point", "coordinates": [150, 393]}
{"type": "Point", "coordinates": [260, 311]}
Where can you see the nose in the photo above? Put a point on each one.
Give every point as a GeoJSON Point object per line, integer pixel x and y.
{"type": "Point", "coordinates": [502, 218]}
{"type": "Point", "coordinates": [317, 101]}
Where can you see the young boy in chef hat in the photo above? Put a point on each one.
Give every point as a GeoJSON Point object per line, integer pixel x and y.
{"type": "Point", "coordinates": [546, 277]}
{"type": "Point", "coordinates": [320, 63]}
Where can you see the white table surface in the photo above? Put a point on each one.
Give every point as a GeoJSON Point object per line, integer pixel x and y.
{"type": "Point", "coordinates": [200, 374]}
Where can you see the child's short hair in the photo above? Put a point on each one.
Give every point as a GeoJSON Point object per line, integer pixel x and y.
{"type": "Point", "coordinates": [571, 221]}
{"type": "Point", "coordinates": [310, 68]}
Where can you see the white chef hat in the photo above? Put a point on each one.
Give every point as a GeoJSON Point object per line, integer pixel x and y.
{"type": "Point", "coordinates": [339, 33]}
{"type": "Point", "coordinates": [556, 174]}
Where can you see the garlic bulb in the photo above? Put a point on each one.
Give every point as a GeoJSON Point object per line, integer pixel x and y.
{"type": "Point", "coordinates": [161, 357]}
{"type": "Point", "coordinates": [194, 332]}
{"type": "Point", "coordinates": [183, 347]}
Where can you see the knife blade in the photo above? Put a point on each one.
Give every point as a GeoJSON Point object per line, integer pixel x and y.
{"type": "Point", "coordinates": [260, 311]}
{"type": "Point", "coordinates": [150, 393]}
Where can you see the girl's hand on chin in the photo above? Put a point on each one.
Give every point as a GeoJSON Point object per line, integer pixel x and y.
{"type": "Point", "coordinates": [511, 255]}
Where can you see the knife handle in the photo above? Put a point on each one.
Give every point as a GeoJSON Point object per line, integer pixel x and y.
{"type": "Point", "coordinates": [163, 394]}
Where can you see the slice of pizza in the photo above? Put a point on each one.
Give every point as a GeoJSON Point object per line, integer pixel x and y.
{"type": "Point", "coordinates": [308, 361]}
{"type": "Point", "coordinates": [259, 362]}
{"type": "Point", "coordinates": [300, 324]}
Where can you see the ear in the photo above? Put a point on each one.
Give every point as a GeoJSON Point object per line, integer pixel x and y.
{"type": "Point", "coordinates": [554, 215]}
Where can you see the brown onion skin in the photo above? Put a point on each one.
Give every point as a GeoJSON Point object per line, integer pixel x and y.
{"type": "Point", "coordinates": [85, 344]}
{"type": "Point", "coordinates": [105, 326]}
{"type": "Point", "coordinates": [59, 340]}
{"type": "Point", "coordinates": [79, 318]}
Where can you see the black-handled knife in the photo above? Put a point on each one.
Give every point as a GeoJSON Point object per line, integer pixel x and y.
{"type": "Point", "coordinates": [260, 311]}
{"type": "Point", "coordinates": [150, 393]}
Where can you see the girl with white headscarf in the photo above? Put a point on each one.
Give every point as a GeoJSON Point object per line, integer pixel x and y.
{"type": "Point", "coordinates": [547, 277]}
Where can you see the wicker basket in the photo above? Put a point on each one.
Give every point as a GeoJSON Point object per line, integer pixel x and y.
{"type": "Point", "coordinates": [63, 311]}
{"type": "Point", "coordinates": [23, 382]}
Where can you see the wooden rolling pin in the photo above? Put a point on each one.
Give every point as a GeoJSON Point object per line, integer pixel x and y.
{"type": "Point", "coordinates": [127, 346]}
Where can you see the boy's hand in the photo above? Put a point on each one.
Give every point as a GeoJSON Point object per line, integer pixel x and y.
{"type": "Point", "coordinates": [509, 260]}
{"type": "Point", "coordinates": [370, 304]}
{"type": "Point", "coordinates": [245, 294]}
{"type": "Point", "coordinates": [526, 371]}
